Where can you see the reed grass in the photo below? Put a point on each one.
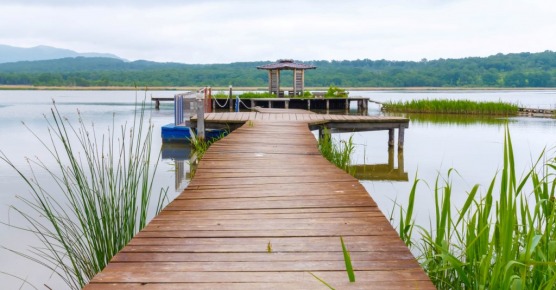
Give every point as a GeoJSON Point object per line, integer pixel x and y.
{"type": "Point", "coordinates": [103, 185]}
{"type": "Point", "coordinates": [347, 260]}
{"type": "Point", "coordinates": [451, 107]}
{"type": "Point", "coordinates": [200, 146]}
{"type": "Point", "coordinates": [505, 239]}
{"type": "Point", "coordinates": [339, 153]}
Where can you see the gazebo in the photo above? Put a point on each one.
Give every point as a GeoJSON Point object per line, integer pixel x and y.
{"type": "Point", "coordinates": [286, 64]}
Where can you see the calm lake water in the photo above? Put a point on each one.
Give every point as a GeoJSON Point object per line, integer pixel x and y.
{"type": "Point", "coordinates": [432, 146]}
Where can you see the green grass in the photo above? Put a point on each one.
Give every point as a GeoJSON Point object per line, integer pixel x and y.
{"type": "Point", "coordinates": [199, 148]}
{"type": "Point", "coordinates": [257, 95]}
{"type": "Point", "coordinates": [452, 107]}
{"type": "Point", "coordinates": [339, 153]}
{"type": "Point", "coordinates": [504, 239]}
{"type": "Point", "coordinates": [102, 195]}
{"type": "Point", "coordinates": [347, 259]}
{"type": "Point", "coordinates": [349, 267]}
{"type": "Point", "coordinates": [220, 95]}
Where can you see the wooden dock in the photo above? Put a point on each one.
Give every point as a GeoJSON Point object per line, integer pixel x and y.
{"type": "Point", "coordinates": [263, 211]}
{"type": "Point", "coordinates": [334, 123]}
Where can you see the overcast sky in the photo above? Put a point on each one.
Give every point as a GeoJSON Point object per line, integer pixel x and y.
{"type": "Point", "coordinates": [219, 31]}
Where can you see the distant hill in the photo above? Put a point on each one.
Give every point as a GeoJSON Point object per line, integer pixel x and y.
{"type": "Point", "coordinates": [497, 71]}
{"type": "Point", "coordinates": [15, 54]}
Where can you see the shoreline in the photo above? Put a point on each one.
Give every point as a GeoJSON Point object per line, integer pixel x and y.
{"type": "Point", "coordinates": [175, 88]}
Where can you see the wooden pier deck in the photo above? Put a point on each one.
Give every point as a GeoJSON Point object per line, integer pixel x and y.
{"type": "Point", "coordinates": [263, 211]}
{"type": "Point", "coordinates": [334, 123]}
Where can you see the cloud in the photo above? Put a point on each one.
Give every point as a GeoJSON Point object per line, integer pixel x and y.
{"type": "Point", "coordinates": [244, 30]}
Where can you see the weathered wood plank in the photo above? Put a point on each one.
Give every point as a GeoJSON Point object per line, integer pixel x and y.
{"type": "Point", "coordinates": [266, 186]}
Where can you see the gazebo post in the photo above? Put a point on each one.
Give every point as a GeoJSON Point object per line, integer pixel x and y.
{"type": "Point", "coordinates": [274, 70]}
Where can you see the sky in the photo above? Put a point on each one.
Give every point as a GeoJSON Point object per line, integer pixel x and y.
{"type": "Point", "coordinates": [219, 31]}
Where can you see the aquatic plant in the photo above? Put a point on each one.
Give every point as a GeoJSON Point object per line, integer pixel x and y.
{"type": "Point", "coordinates": [503, 240]}
{"type": "Point", "coordinates": [451, 107]}
{"type": "Point", "coordinates": [200, 146]}
{"type": "Point", "coordinates": [102, 195]}
{"type": "Point", "coordinates": [339, 153]}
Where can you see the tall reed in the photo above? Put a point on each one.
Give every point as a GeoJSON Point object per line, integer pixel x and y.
{"type": "Point", "coordinates": [339, 153]}
{"type": "Point", "coordinates": [102, 194]}
{"type": "Point", "coordinates": [451, 107]}
{"type": "Point", "coordinates": [505, 239]}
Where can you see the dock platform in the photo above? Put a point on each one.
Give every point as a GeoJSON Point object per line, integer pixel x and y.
{"type": "Point", "coordinates": [334, 123]}
{"type": "Point", "coordinates": [263, 211]}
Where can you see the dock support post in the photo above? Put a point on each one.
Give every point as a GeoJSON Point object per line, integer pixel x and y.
{"type": "Point", "coordinates": [269, 104]}
{"type": "Point", "coordinates": [308, 104]}
{"type": "Point", "coordinates": [230, 100]}
{"type": "Point", "coordinates": [287, 104]}
{"type": "Point", "coordinates": [200, 117]}
{"type": "Point", "coordinates": [347, 106]}
{"type": "Point", "coordinates": [366, 107]}
{"type": "Point", "coordinates": [157, 104]}
{"type": "Point", "coordinates": [400, 137]}
{"type": "Point", "coordinates": [252, 104]}
{"type": "Point", "coordinates": [327, 106]}
{"type": "Point", "coordinates": [390, 137]}
{"type": "Point", "coordinates": [321, 132]}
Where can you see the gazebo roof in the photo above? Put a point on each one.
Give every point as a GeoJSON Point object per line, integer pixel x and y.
{"type": "Point", "coordinates": [286, 64]}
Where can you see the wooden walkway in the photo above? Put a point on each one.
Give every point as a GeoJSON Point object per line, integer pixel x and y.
{"type": "Point", "coordinates": [334, 123]}
{"type": "Point", "coordinates": [266, 187]}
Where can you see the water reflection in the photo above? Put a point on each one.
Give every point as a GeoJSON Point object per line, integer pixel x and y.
{"type": "Point", "coordinates": [382, 171]}
{"type": "Point", "coordinates": [179, 153]}
{"type": "Point", "coordinates": [455, 119]}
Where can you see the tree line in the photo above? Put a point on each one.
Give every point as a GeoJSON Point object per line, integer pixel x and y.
{"type": "Point", "coordinates": [501, 70]}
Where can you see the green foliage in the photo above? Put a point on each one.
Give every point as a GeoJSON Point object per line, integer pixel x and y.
{"type": "Point", "coordinates": [200, 146]}
{"type": "Point", "coordinates": [349, 267]}
{"type": "Point", "coordinates": [220, 95]}
{"type": "Point", "coordinates": [322, 281]}
{"type": "Point", "coordinates": [510, 70]}
{"type": "Point", "coordinates": [503, 240]}
{"type": "Point", "coordinates": [337, 153]}
{"type": "Point", "coordinates": [335, 92]}
{"type": "Point", "coordinates": [256, 95]}
{"type": "Point", "coordinates": [465, 107]}
{"type": "Point", "coordinates": [305, 95]}
{"type": "Point", "coordinates": [347, 260]}
{"type": "Point", "coordinates": [103, 194]}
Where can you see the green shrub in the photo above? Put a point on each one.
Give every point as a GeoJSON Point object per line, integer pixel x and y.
{"type": "Point", "coordinates": [256, 95]}
{"type": "Point", "coordinates": [335, 92]}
